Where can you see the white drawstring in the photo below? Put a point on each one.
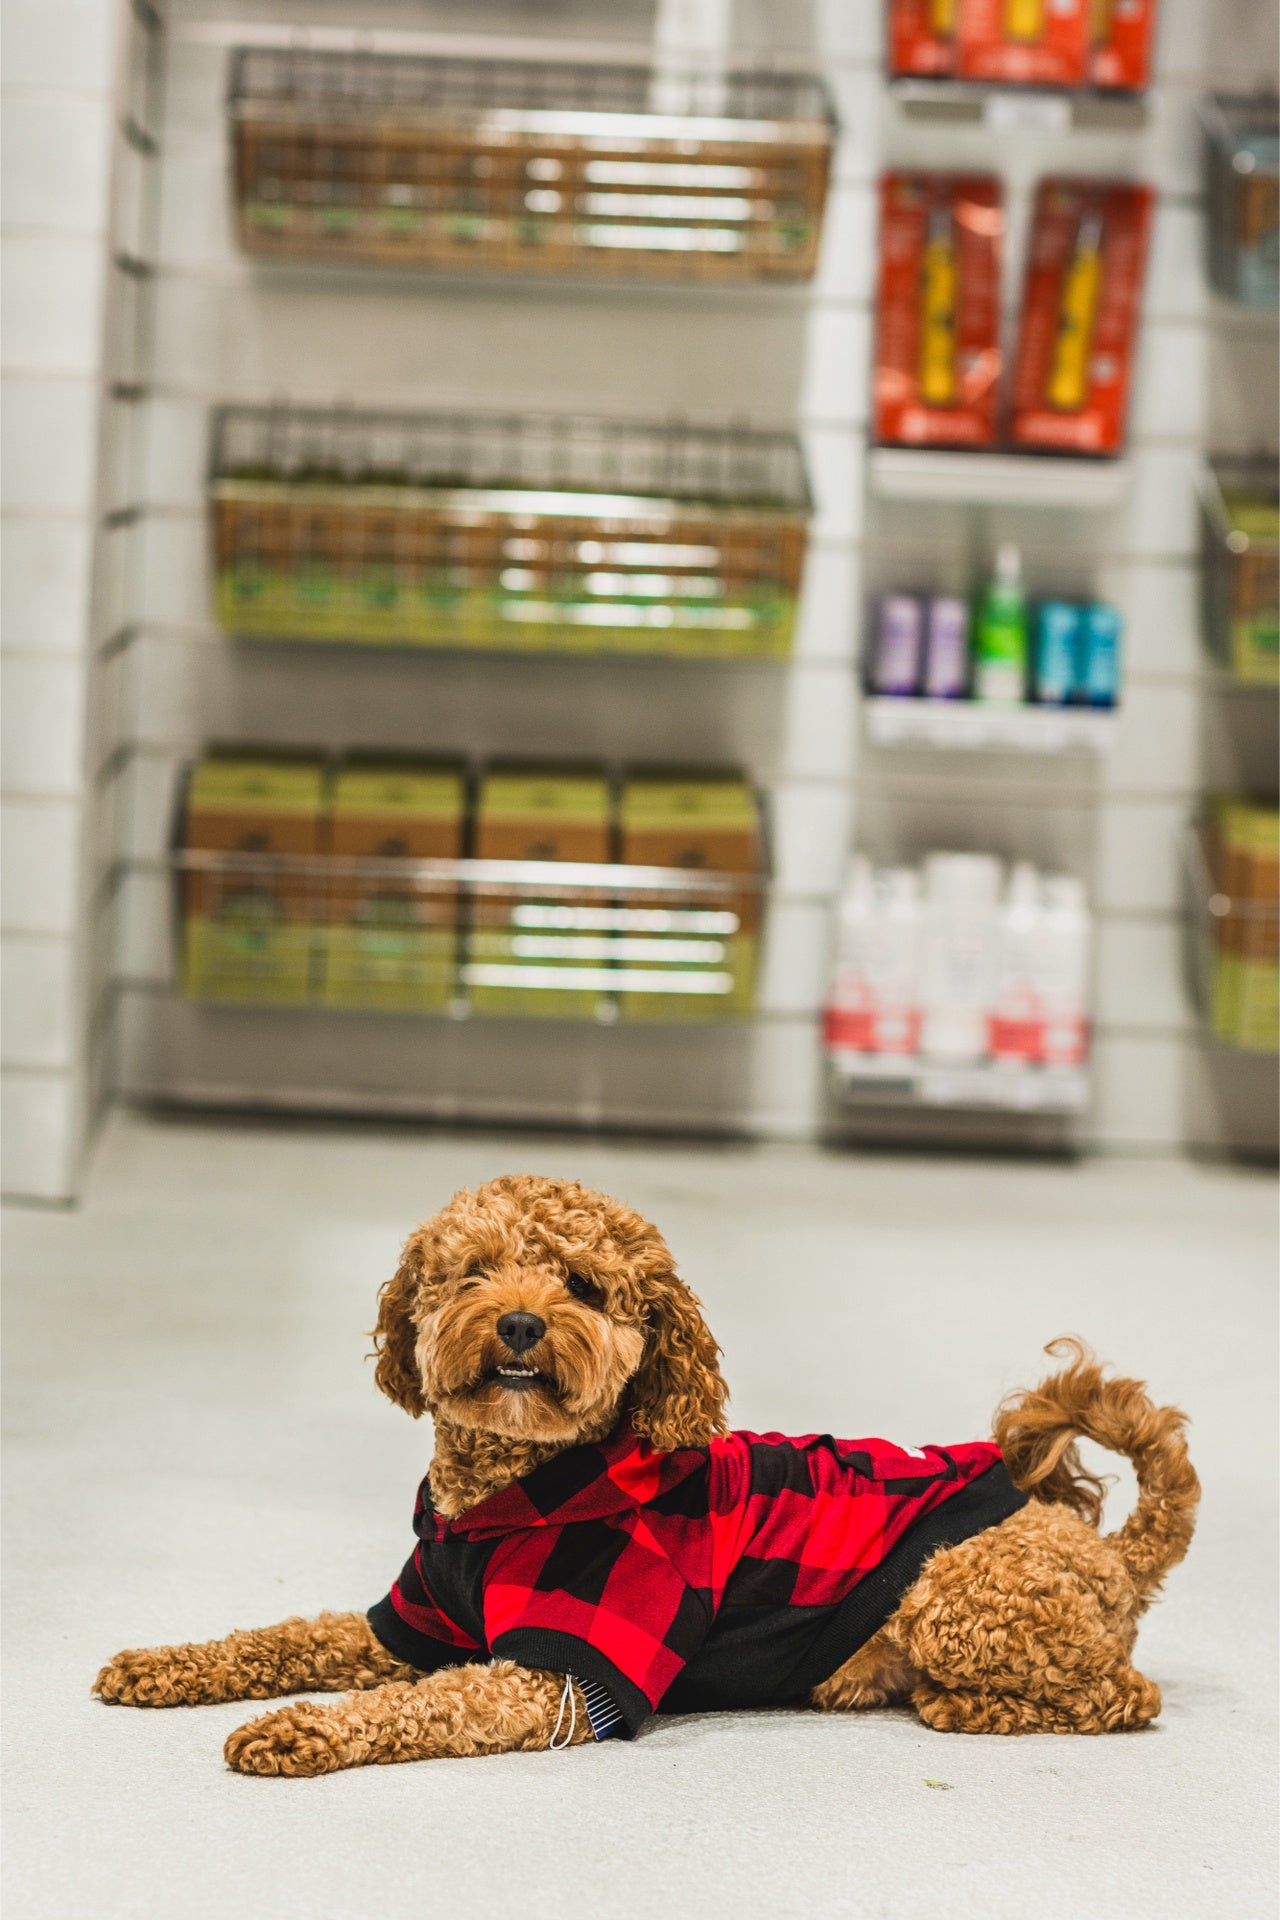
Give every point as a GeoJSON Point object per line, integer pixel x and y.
{"type": "Point", "coordinates": [572, 1699]}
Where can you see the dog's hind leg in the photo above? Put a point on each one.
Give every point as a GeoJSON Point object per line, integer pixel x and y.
{"type": "Point", "coordinates": [877, 1675]}
{"type": "Point", "coordinates": [1099, 1703]}
{"type": "Point", "coordinates": [329, 1654]}
{"type": "Point", "coordinates": [1026, 1628]}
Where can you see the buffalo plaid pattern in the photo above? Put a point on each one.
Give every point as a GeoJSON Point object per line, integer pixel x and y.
{"type": "Point", "coordinates": [718, 1575]}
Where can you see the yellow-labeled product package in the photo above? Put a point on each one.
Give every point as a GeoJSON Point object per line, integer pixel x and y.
{"type": "Point", "coordinates": [391, 926]}
{"type": "Point", "coordinates": [253, 826]}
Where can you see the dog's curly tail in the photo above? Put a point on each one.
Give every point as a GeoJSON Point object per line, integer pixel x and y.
{"type": "Point", "coordinates": [1037, 1431]}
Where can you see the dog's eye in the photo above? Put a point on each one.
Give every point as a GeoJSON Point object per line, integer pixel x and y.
{"type": "Point", "coordinates": [471, 1278]}
{"type": "Point", "coordinates": [580, 1287]}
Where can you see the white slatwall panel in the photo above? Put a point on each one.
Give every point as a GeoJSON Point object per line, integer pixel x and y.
{"type": "Point", "coordinates": [224, 329]}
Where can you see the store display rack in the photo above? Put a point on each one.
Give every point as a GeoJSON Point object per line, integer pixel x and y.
{"type": "Point", "coordinates": [963, 726]}
{"type": "Point", "coordinates": [1232, 953]}
{"type": "Point", "coordinates": [560, 939]}
{"type": "Point", "coordinates": [531, 167]}
{"type": "Point", "coordinates": [907, 1080]}
{"type": "Point", "coordinates": [1016, 108]}
{"type": "Point", "coordinates": [996, 479]}
{"type": "Point", "coordinates": [1240, 565]}
{"type": "Point", "coordinates": [510, 533]}
{"type": "Point", "coordinates": [1242, 185]}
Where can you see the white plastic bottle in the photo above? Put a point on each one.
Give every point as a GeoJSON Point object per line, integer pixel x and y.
{"type": "Point", "coordinates": [1062, 948]}
{"type": "Point", "coordinates": [1015, 1030]}
{"type": "Point", "coordinates": [850, 1008]}
{"type": "Point", "coordinates": [895, 973]}
{"type": "Point", "coordinates": [961, 895]}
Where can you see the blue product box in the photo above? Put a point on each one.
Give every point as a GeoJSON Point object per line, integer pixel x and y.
{"type": "Point", "coordinates": [1100, 655]}
{"type": "Point", "coordinates": [1059, 653]}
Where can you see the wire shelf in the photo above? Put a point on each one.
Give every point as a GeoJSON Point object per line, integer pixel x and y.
{"type": "Point", "coordinates": [1242, 221]}
{"type": "Point", "coordinates": [1232, 950]}
{"type": "Point", "coordinates": [506, 532]}
{"type": "Point", "coordinates": [566, 939]}
{"type": "Point", "coordinates": [529, 166]}
{"type": "Point", "coordinates": [1240, 571]}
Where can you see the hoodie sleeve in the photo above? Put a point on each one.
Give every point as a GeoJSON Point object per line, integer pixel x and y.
{"type": "Point", "coordinates": [413, 1628]}
{"type": "Point", "coordinates": [600, 1600]}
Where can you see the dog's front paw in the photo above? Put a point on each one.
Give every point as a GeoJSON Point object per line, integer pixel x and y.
{"type": "Point", "coordinates": [305, 1739]}
{"type": "Point", "coordinates": [156, 1677]}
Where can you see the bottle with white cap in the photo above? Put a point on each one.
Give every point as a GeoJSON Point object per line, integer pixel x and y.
{"type": "Point", "coordinates": [849, 1010]}
{"type": "Point", "coordinates": [896, 966]}
{"type": "Point", "coordinates": [1000, 634]}
{"type": "Point", "coordinates": [962, 891]}
{"type": "Point", "coordinates": [1015, 1030]}
{"type": "Point", "coordinates": [1061, 971]}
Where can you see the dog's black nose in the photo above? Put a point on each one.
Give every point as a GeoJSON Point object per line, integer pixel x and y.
{"type": "Point", "coordinates": [520, 1331]}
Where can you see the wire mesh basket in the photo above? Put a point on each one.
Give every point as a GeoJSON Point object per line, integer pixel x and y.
{"type": "Point", "coordinates": [1242, 221]}
{"type": "Point", "coordinates": [1233, 931]}
{"type": "Point", "coordinates": [529, 166]}
{"type": "Point", "coordinates": [571, 940]}
{"type": "Point", "coordinates": [1240, 570]}
{"type": "Point", "coordinates": [520, 533]}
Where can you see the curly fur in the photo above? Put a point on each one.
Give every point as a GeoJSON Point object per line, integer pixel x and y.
{"type": "Point", "coordinates": [1028, 1627]}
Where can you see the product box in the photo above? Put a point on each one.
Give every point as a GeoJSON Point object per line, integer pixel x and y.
{"type": "Point", "coordinates": [1243, 848]}
{"type": "Point", "coordinates": [1080, 309]}
{"type": "Point", "coordinates": [1123, 35]}
{"type": "Point", "coordinates": [938, 310]}
{"type": "Point", "coordinates": [920, 38]}
{"type": "Point", "coordinates": [1040, 43]}
{"type": "Point", "coordinates": [251, 934]}
{"type": "Point", "coordinates": [391, 941]}
{"type": "Point", "coordinates": [521, 940]}
{"type": "Point", "coordinates": [707, 941]}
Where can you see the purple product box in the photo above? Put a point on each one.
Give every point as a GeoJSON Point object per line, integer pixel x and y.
{"type": "Point", "coordinates": [946, 668]}
{"type": "Point", "coordinates": [898, 646]}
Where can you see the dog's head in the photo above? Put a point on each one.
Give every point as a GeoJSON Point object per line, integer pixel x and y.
{"type": "Point", "coordinates": [537, 1309]}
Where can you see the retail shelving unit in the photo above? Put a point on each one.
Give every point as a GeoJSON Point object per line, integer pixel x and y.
{"type": "Point", "coordinates": [568, 940]}
{"type": "Point", "coordinates": [971, 726]}
{"type": "Point", "coordinates": [542, 167]}
{"type": "Point", "coordinates": [996, 479]}
{"type": "Point", "coordinates": [530, 534]}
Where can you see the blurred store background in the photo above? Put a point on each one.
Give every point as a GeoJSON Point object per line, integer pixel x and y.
{"type": "Point", "coordinates": [690, 567]}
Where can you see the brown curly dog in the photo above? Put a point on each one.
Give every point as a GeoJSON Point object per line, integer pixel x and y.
{"type": "Point", "coordinates": [576, 1399]}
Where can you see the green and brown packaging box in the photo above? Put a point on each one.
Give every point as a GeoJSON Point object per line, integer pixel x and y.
{"type": "Point", "coordinates": [392, 942]}
{"type": "Point", "coordinates": [702, 822]}
{"type": "Point", "coordinates": [1243, 845]}
{"type": "Point", "coordinates": [252, 937]}
{"type": "Point", "coordinates": [534, 814]}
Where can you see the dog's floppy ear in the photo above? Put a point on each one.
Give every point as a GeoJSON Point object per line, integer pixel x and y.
{"type": "Point", "coordinates": [396, 1333]}
{"type": "Point", "coordinates": [678, 1392]}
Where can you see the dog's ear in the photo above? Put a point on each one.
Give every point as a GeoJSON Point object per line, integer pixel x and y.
{"type": "Point", "coordinates": [396, 1334]}
{"type": "Point", "coordinates": [678, 1392]}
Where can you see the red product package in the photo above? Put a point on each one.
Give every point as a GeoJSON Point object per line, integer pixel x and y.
{"type": "Point", "coordinates": [921, 37]}
{"type": "Point", "coordinates": [1080, 306]}
{"type": "Point", "coordinates": [938, 310]}
{"type": "Point", "coordinates": [1039, 43]}
{"type": "Point", "coordinates": [1123, 31]}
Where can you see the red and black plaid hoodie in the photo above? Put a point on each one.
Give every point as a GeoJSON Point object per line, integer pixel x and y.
{"type": "Point", "coordinates": [737, 1574]}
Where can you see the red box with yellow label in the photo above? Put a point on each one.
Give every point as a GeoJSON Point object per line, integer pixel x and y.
{"type": "Point", "coordinates": [1080, 308]}
{"type": "Point", "coordinates": [938, 310]}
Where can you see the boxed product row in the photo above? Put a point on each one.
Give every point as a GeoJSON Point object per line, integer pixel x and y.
{"type": "Point", "coordinates": [1240, 565]}
{"type": "Point", "coordinates": [533, 167]}
{"type": "Point", "coordinates": [1000, 649]}
{"type": "Point", "coordinates": [1241, 844]}
{"type": "Point", "coordinates": [1045, 43]}
{"type": "Point", "coordinates": [415, 886]}
{"type": "Point", "coordinates": [524, 534]}
{"type": "Point", "coordinates": [960, 962]}
{"type": "Point", "coordinates": [938, 353]}
{"type": "Point", "coordinates": [1242, 220]}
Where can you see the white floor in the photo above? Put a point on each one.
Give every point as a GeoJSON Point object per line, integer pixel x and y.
{"type": "Point", "coordinates": [195, 1443]}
